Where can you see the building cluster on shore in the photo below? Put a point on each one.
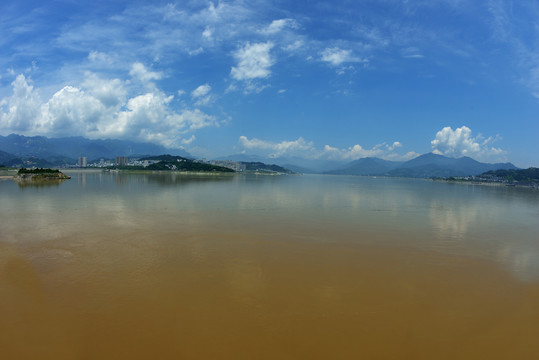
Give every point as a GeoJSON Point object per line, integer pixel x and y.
{"type": "Point", "coordinates": [492, 179]}
{"type": "Point", "coordinates": [118, 161]}
{"type": "Point", "coordinates": [234, 165]}
{"type": "Point", "coordinates": [125, 161]}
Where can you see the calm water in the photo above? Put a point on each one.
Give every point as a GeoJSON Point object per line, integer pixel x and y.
{"type": "Point", "coordinates": [109, 266]}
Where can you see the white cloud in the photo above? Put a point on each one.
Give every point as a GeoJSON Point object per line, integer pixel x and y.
{"type": "Point", "coordinates": [201, 95]}
{"type": "Point", "coordinates": [296, 45]}
{"type": "Point", "coordinates": [253, 61]}
{"type": "Point", "coordinates": [513, 25]}
{"type": "Point", "coordinates": [139, 71]}
{"type": "Point", "coordinates": [20, 111]}
{"type": "Point", "coordinates": [192, 120]}
{"type": "Point", "coordinates": [195, 52]}
{"type": "Point", "coordinates": [110, 92]}
{"type": "Point", "coordinates": [395, 145]}
{"type": "Point", "coordinates": [32, 67]}
{"type": "Point", "coordinates": [460, 142]}
{"type": "Point", "coordinates": [408, 156]}
{"type": "Point", "coordinates": [189, 141]}
{"type": "Point", "coordinates": [278, 25]}
{"type": "Point", "coordinates": [99, 57]}
{"type": "Point", "coordinates": [336, 56]}
{"type": "Point", "coordinates": [278, 149]}
{"type": "Point", "coordinates": [203, 101]}
{"type": "Point", "coordinates": [202, 90]}
{"type": "Point", "coordinates": [207, 33]}
{"type": "Point", "coordinates": [102, 108]}
{"type": "Point", "coordinates": [355, 152]}
{"type": "Point", "coordinates": [71, 111]}
{"type": "Point", "coordinates": [306, 149]}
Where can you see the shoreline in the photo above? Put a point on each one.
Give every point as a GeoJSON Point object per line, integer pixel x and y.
{"type": "Point", "coordinates": [487, 183]}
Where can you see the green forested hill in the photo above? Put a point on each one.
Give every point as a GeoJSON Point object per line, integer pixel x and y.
{"type": "Point", "coordinates": [521, 175]}
{"type": "Point", "coordinates": [179, 163]}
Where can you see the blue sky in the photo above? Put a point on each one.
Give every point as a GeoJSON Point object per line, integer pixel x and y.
{"type": "Point", "coordinates": [322, 80]}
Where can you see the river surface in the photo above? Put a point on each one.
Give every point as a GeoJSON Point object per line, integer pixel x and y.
{"type": "Point", "coordinates": [170, 266]}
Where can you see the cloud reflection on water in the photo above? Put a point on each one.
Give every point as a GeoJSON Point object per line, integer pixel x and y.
{"type": "Point", "coordinates": [495, 223]}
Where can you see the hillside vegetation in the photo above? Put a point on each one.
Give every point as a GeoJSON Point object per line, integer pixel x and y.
{"type": "Point", "coordinates": [179, 163]}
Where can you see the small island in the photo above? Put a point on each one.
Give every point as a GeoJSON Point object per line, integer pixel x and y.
{"type": "Point", "coordinates": [40, 174]}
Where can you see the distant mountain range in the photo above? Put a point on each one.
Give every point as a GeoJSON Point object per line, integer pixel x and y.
{"type": "Point", "coordinates": [18, 150]}
{"type": "Point", "coordinates": [433, 165]}
{"type": "Point", "coordinates": [296, 164]}
{"type": "Point", "coordinates": [423, 166]}
{"type": "Point", "coordinates": [366, 166]}
{"type": "Point", "coordinates": [59, 151]}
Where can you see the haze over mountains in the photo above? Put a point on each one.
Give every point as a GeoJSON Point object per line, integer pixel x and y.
{"type": "Point", "coordinates": [61, 151]}
{"type": "Point", "coordinates": [58, 151]}
{"type": "Point", "coordinates": [427, 165]}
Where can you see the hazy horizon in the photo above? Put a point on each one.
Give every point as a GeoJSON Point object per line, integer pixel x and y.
{"type": "Point", "coordinates": [182, 152]}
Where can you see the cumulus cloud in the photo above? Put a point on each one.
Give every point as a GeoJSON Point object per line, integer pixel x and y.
{"type": "Point", "coordinates": [110, 92]}
{"type": "Point", "coordinates": [303, 148]}
{"type": "Point", "coordinates": [460, 142]}
{"type": "Point", "coordinates": [22, 109]}
{"type": "Point", "coordinates": [101, 108]}
{"type": "Point", "coordinates": [71, 111]}
{"type": "Point", "coordinates": [278, 149]}
{"type": "Point", "coordinates": [395, 145]}
{"type": "Point", "coordinates": [139, 71]}
{"type": "Point", "coordinates": [355, 152]}
{"type": "Point", "coordinates": [253, 61]}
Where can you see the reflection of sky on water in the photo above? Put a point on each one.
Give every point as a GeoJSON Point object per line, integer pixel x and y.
{"type": "Point", "coordinates": [494, 222]}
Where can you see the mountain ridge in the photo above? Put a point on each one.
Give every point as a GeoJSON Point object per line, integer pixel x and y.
{"type": "Point", "coordinates": [72, 147]}
{"type": "Point", "coordinates": [366, 166]}
{"type": "Point", "coordinates": [45, 151]}
{"type": "Point", "coordinates": [423, 166]}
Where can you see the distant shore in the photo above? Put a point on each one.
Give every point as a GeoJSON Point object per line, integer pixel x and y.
{"type": "Point", "coordinates": [7, 173]}
{"type": "Point", "coordinates": [489, 183]}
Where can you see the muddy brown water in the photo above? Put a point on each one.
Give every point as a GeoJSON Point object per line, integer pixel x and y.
{"type": "Point", "coordinates": [138, 266]}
